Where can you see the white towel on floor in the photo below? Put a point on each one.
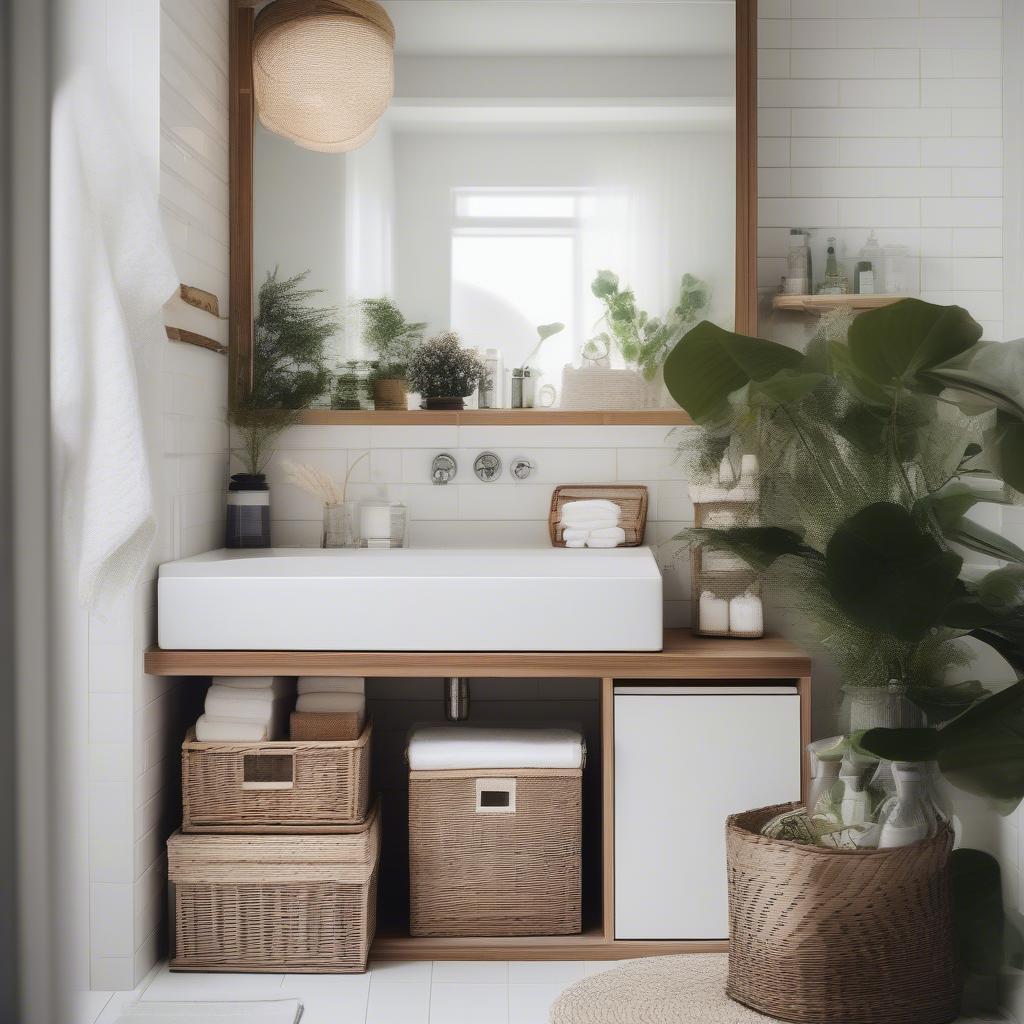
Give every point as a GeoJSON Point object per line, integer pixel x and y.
{"type": "Point", "coordinates": [263, 1011]}
{"type": "Point", "coordinates": [331, 684]}
{"type": "Point", "coordinates": [111, 274]}
{"type": "Point", "coordinates": [443, 747]}
{"type": "Point", "coordinates": [244, 709]}
{"type": "Point", "coordinates": [209, 729]}
{"type": "Point", "coordinates": [336, 703]}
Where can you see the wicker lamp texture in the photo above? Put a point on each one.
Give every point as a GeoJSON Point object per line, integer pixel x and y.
{"type": "Point", "coordinates": [323, 71]}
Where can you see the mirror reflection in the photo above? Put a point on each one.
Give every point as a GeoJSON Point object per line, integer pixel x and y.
{"type": "Point", "coordinates": [545, 208]}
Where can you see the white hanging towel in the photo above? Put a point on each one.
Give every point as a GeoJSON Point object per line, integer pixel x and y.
{"type": "Point", "coordinates": [112, 273]}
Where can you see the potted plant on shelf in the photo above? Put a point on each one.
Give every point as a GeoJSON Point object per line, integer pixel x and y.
{"type": "Point", "coordinates": [643, 342]}
{"type": "Point", "coordinates": [393, 339]}
{"type": "Point", "coordinates": [444, 373]}
{"type": "Point", "coordinates": [289, 374]}
{"type": "Point", "coordinates": [875, 443]}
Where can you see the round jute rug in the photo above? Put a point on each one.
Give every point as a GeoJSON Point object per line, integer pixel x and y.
{"type": "Point", "coordinates": [687, 989]}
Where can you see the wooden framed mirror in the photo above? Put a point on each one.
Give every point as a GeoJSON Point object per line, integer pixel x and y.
{"type": "Point", "coordinates": [528, 149]}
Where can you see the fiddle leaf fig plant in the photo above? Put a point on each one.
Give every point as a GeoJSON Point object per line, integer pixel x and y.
{"type": "Point", "coordinates": [875, 447]}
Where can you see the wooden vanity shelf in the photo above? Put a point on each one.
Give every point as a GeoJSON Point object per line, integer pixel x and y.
{"type": "Point", "coordinates": [683, 658]}
{"type": "Point", "coordinates": [494, 418]}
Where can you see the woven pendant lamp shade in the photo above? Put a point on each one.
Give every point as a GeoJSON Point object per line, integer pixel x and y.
{"type": "Point", "coordinates": [323, 71]}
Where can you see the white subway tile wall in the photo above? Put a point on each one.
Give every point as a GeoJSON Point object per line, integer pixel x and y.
{"type": "Point", "coordinates": [469, 513]}
{"type": "Point", "coordinates": [890, 115]}
{"type": "Point", "coordinates": [136, 721]}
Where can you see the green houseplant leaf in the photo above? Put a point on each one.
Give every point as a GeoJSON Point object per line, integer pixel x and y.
{"type": "Point", "coordinates": [1005, 444]}
{"type": "Point", "coordinates": [899, 744]}
{"type": "Point", "coordinates": [893, 345]}
{"type": "Point", "coordinates": [982, 751]}
{"type": "Point", "coordinates": [709, 363]}
{"type": "Point", "coordinates": [989, 371]}
{"type": "Point", "coordinates": [943, 702]}
{"type": "Point", "coordinates": [949, 508]}
{"type": "Point", "coordinates": [758, 546]}
{"type": "Point", "coordinates": [888, 574]}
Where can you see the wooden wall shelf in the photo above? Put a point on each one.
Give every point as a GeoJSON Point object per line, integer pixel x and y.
{"type": "Point", "coordinates": [494, 418]}
{"type": "Point", "coordinates": [818, 304]}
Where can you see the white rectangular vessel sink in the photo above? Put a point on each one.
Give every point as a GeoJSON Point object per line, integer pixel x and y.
{"type": "Point", "coordinates": [537, 599]}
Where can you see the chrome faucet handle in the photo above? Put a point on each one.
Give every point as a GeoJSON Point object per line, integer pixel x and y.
{"type": "Point", "coordinates": [487, 467]}
{"type": "Point", "coordinates": [443, 468]}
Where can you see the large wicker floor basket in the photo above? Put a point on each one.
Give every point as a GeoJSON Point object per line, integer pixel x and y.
{"type": "Point", "coordinates": [513, 872]}
{"type": "Point", "coordinates": [274, 903]}
{"type": "Point", "coordinates": [826, 936]}
{"type": "Point", "coordinates": [275, 786]}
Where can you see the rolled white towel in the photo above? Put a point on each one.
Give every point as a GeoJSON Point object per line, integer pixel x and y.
{"type": "Point", "coordinates": [219, 705]}
{"type": "Point", "coordinates": [331, 702]}
{"type": "Point", "coordinates": [250, 696]}
{"type": "Point", "coordinates": [615, 533]}
{"type": "Point", "coordinates": [331, 684]}
{"type": "Point", "coordinates": [574, 533]}
{"type": "Point", "coordinates": [210, 729]}
{"type": "Point", "coordinates": [576, 543]}
{"type": "Point", "coordinates": [592, 508]}
{"type": "Point", "coordinates": [590, 524]}
{"type": "Point", "coordinates": [605, 542]}
{"type": "Point", "coordinates": [280, 686]}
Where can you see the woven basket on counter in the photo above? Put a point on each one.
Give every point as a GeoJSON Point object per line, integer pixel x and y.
{"type": "Point", "coordinates": [274, 786]}
{"type": "Point", "coordinates": [516, 871]}
{"type": "Point", "coordinates": [631, 499]}
{"type": "Point", "coordinates": [851, 936]}
{"type": "Point", "coordinates": [274, 903]}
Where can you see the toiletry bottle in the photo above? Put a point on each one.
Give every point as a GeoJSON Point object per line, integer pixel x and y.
{"type": "Point", "coordinates": [834, 282]}
{"type": "Point", "coordinates": [797, 279]}
{"type": "Point", "coordinates": [490, 390]}
{"type": "Point", "coordinates": [826, 757]}
{"type": "Point", "coordinates": [912, 817]}
{"type": "Point", "coordinates": [863, 278]}
{"type": "Point", "coordinates": [871, 252]}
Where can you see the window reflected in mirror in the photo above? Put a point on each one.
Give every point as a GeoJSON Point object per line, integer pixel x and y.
{"type": "Point", "coordinates": [552, 185]}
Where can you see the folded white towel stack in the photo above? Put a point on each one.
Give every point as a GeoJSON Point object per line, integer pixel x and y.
{"type": "Point", "coordinates": [245, 708]}
{"type": "Point", "coordinates": [592, 523]}
{"type": "Point", "coordinates": [331, 684]}
{"type": "Point", "coordinates": [333, 695]}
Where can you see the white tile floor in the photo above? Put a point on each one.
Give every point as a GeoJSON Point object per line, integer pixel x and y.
{"type": "Point", "coordinates": [442, 992]}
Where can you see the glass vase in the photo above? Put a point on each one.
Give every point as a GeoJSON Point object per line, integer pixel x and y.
{"type": "Point", "coordinates": [340, 529]}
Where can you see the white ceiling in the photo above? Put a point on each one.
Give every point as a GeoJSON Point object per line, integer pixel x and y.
{"type": "Point", "coordinates": [562, 27]}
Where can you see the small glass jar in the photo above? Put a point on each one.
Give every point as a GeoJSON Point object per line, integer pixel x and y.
{"type": "Point", "coordinates": [340, 530]}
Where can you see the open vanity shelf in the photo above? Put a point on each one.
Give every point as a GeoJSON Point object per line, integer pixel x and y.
{"type": "Point", "coordinates": [684, 659]}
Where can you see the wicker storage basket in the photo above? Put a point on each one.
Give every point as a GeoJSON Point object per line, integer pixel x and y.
{"type": "Point", "coordinates": [857, 936]}
{"type": "Point", "coordinates": [326, 725]}
{"type": "Point", "coordinates": [478, 870]}
{"type": "Point", "coordinates": [274, 903]}
{"type": "Point", "coordinates": [274, 786]}
{"type": "Point", "coordinates": [631, 499]}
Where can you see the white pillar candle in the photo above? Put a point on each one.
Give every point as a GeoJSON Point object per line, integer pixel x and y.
{"type": "Point", "coordinates": [746, 614]}
{"type": "Point", "coordinates": [375, 522]}
{"type": "Point", "coordinates": [713, 613]}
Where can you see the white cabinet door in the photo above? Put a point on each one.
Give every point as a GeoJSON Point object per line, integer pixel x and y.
{"type": "Point", "coordinates": [685, 759]}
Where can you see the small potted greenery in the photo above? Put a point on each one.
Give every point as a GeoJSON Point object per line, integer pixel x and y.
{"type": "Point", "coordinates": [644, 341]}
{"type": "Point", "coordinates": [524, 379]}
{"type": "Point", "coordinates": [392, 339]}
{"type": "Point", "coordinates": [290, 373]}
{"type": "Point", "coordinates": [444, 373]}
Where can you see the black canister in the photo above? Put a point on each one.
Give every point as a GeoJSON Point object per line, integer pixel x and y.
{"type": "Point", "coordinates": [248, 512]}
